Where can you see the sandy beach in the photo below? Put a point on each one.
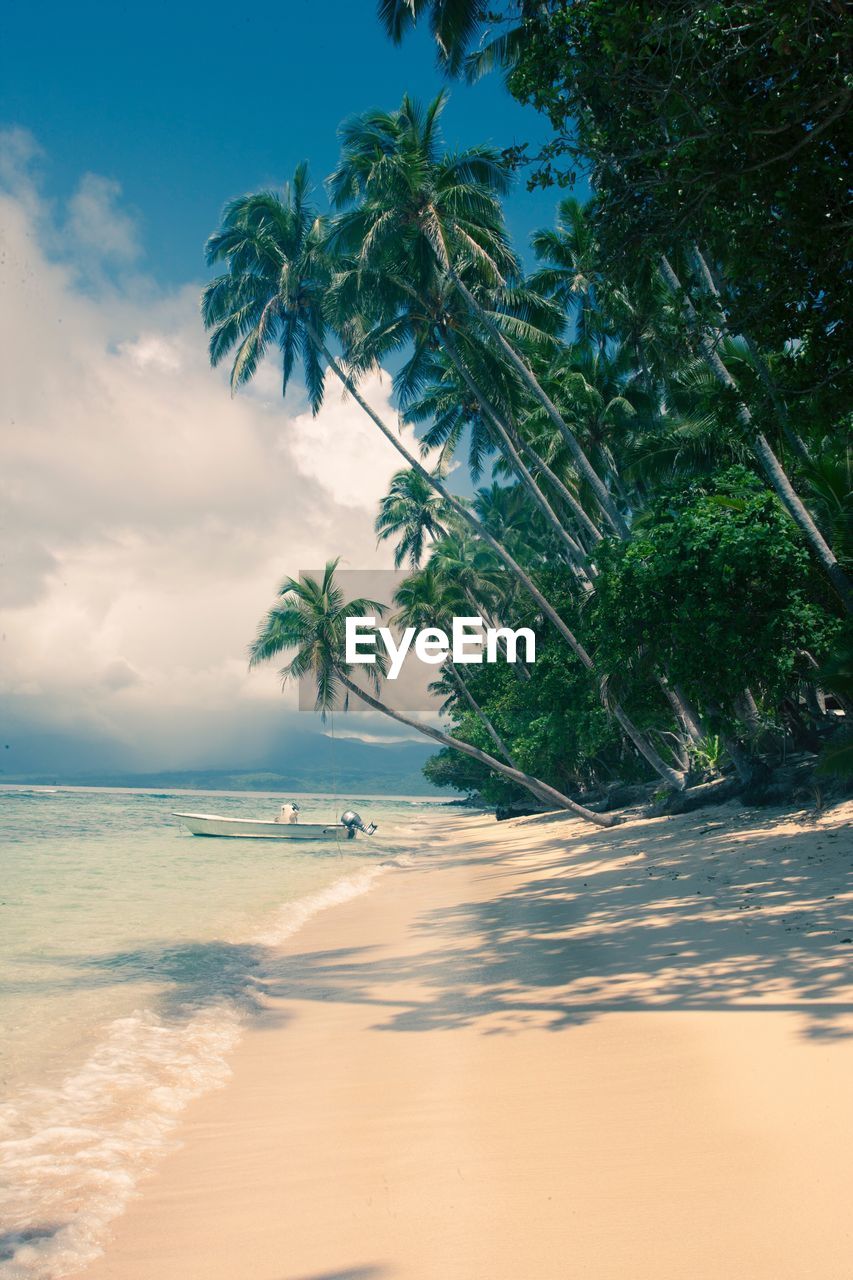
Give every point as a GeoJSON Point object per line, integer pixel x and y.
{"type": "Point", "coordinates": [540, 1051]}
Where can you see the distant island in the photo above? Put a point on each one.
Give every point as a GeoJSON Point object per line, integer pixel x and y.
{"type": "Point", "coordinates": [350, 779]}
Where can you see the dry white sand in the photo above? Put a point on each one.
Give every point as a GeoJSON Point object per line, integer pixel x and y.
{"type": "Point", "coordinates": [542, 1051]}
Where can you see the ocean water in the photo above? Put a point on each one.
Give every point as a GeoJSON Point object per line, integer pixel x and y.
{"type": "Point", "coordinates": [129, 950]}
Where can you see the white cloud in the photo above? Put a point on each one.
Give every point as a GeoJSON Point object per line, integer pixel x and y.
{"type": "Point", "coordinates": [148, 516]}
{"type": "Point", "coordinates": [96, 222]}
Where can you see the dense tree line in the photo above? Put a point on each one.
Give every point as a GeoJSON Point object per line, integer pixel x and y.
{"type": "Point", "coordinates": [655, 414]}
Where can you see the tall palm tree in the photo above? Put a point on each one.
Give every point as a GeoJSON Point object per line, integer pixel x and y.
{"type": "Point", "coordinates": [272, 293]}
{"type": "Point", "coordinates": [273, 289]}
{"type": "Point", "coordinates": [309, 621]}
{"type": "Point", "coordinates": [440, 215]}
{"type": "Point", "coordinates": [571, 271]}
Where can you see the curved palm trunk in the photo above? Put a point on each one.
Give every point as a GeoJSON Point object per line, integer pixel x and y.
{"type": "Point", "coordinates": [527, 375]}
{"type": "Point", "coordinates": [534, 785]}
{"type": "Point", "coordinates": [771, 465]}
{"type": "Point", "coordinates": [480, 713]}
{"type": "Point", "coordinates": [576, 554]}
{"type": "Point", "coordinates": [649, 753]}
{"type": "Point", "coordinates": [687, 713]}
{"type": "Point", "coordinates": [793, 437]}
{"type": "Point", "coordinates": [520, 667]}
{"type": "Point", "coordinates": [683, 713]}
{"type": "Point", "coordinates": [537, 463]}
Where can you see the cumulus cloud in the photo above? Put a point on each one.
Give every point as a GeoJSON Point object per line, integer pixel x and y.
{"type": "Point", "coordinates": [147, 516]}
{"type": "Point", "coordinates": [96, 222]}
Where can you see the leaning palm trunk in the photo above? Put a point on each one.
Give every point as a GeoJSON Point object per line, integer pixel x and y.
{"type": "Point", "coordinates": [586, 569]}
{"type": "Point", "coordinates": [538, 465]}
{"type": "Point", "coordinates": [472, 702]}
{"type": "Point", "coordinates": [534, 785]}
{"type": "Point", "coordinates": [520, 667]}
{"type": "Point", "coordinates": [794, 439]}
{"type": "Point", "coordinates": [674, 777]}
{"type": "Point", "coordinates": [527, 375]}
{"type": "Point", "coordinates": [771, 465]}
{"type": "Point", "coordinates": [576, 553]}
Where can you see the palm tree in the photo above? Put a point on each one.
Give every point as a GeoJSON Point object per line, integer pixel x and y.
{"type": "Point", "coordinates": [411, 511]}
{"type": "Point", "coordinates": [273, 291]}
{"type": "Point", "coordinates": [455, 24]}
{"type": "Point", "coordinates": [425, 600]}
{"type": "Point", "coordinates": [278, 270]}
{"type": "Point", "coordinates": [310, 621]}
{"type": "Point", "coordinates": [439, 215]}
{"type": "Point", "coordinates": [571, 271]}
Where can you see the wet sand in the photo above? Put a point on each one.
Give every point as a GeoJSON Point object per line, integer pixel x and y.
{"type": "Point", "coordinates": [539, 1051]}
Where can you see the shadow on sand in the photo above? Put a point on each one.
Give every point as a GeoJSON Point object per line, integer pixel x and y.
{"type": "Point", "coordinates": [605, 927]}
{"type": "Point", "coordinates": [681, 913]}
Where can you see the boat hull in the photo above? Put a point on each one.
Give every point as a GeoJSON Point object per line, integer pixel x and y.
{"type": "Point", "coordinates": [210, 824]}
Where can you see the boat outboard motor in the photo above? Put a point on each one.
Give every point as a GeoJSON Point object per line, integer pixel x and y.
{"type": "Point", "coordinates": [352, 821]}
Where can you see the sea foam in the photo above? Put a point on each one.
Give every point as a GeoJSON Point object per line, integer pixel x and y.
{"type": "Point", "coordinates": [72, 1156]}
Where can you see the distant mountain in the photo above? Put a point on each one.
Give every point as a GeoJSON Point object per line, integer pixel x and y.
{"type": "Point", "coordinates": [251, 752]}
{"type": "Point", "coordinates": [349, 767]}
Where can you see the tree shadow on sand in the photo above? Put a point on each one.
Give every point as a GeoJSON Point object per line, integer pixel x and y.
{"type": "Point", "coordinates": [711, 922]}
{"type": "Point", "coordinates": [351, 1273]}
{"type": "Point", "coordinates": [678, 914]}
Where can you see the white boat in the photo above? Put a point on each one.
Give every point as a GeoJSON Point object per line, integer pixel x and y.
{"type": "Point", "coordinates": [212, 824]}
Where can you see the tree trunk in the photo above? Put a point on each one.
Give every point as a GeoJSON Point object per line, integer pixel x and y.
{"type": "Point", "coordinates": [519, 667]}
{"type": "Point", "coordinates": [527, 375]}
{"type": "Point", "coordinates": [794, 439]}
{"type": "Point", "coordinates": [683, 709]}
{"type": "Point", "coordinates": [576, 554]}
{"type": "Point", "coordinates": [505, 430]}
{"type": "Point", "coordinates": [649, 753]}
{"type": "Point", "coordinates": [538, 788]}
{"type": "Point", "coordinates": [480, 713]}
{"type": "Point", "coordinates": [773, 469]}
{"type": "Point", "coordinates": [584, 523]}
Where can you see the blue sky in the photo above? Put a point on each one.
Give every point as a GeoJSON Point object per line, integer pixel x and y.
{"type": "Point", "coordinates": [186, 105]}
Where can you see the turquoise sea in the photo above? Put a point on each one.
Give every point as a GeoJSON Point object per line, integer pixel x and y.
{"type": "Point", "coordinates": [128, 953]}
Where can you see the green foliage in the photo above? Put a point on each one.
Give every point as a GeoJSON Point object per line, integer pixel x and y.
{"type": "Point", "coordinates": [692, 638]}
{"type": "Point", "coordinates": [837, 673]}
{"type": "Point", "coordinates": [723, 123]}
{"type": "Point", "coordinates": [716, 583]}
{"type": "Point", "coordinates": [708, 752]}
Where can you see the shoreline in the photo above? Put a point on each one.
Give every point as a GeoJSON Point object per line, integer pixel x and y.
{"type": "Point", "coordinates": [78, 1137]}
{"type": "Point", "coordinates": [537, 1050]}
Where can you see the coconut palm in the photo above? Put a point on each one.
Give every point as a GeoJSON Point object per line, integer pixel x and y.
{"type": "Point", "coordinates": [426, 600]}
{"type": "Point", "coordinates": [570, 275]}
{"type": "Point", "coordinates": [311, 618]}
{"type": "Point", "coordinates": [273, 289]}
{"type": "Point", "coordinates": [412, 512]}
{"type": "Point", "coordinates": [455, 25]}
{"type": "Point", "coordinates": [309, 621]}
{"type": "Point", "coordinates": [416, 221]}
{"type": "Point", "coordinates": [279, 267]}
{"type": "Point", "coordinates": [440, 216]}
